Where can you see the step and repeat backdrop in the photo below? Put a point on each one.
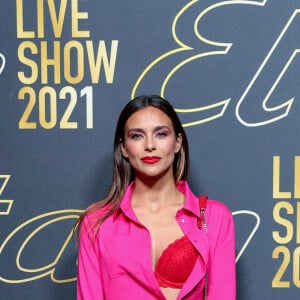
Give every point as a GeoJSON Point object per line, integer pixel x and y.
{"type": "Point", "coordinates": [232, 71]}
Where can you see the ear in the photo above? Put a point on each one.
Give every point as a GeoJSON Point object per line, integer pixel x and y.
{"type": "Point", "coordinates": [178, 143]}
{"type": "Point", "coordinates": [123, 149]}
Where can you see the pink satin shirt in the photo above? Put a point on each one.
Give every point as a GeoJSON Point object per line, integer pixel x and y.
{"type": "Point", "coordinates": [116, 263]}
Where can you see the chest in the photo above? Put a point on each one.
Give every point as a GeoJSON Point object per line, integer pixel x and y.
{"type": "Point", "coordinates": [163, 230]}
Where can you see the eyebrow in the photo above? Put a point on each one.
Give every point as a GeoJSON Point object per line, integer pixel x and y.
{"type": "Point", "coordinates": [155, 128]}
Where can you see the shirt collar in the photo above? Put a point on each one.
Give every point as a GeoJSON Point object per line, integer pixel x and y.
{"type": "Point", "coordinates": [191, 201]}
{"type": "Point", "coordinates": [125, 205]}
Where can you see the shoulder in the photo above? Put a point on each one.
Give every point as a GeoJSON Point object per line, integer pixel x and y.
{"type": "Point", "coordinates": [218, 213]}
{"type": "Point", "coordinates": [92, 218]}
{"type": "Point", "coordinates": [213, 207]}
{"type": "Point", "coordinates": [218, 207]}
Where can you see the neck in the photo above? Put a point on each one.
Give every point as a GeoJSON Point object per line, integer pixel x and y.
{"type": "Point", "coordinates": [160, 191]}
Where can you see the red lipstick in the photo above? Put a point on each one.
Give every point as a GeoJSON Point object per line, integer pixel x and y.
{"type": "Point", "coordinates": [151, 159]}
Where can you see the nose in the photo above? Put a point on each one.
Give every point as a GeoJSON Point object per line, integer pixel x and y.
{"type": "Point", "coordinates": [149, 144]}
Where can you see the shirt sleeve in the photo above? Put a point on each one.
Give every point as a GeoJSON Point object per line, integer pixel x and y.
{"type": "Point", "coordinates": [89, 281]}
{"type": "Point", "coordinates": [221, 269]}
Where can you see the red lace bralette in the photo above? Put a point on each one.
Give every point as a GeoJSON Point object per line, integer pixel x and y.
{"type": "Point", "coordinates": [176, 263]}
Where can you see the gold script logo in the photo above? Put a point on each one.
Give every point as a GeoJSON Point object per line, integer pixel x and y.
{"type": "Point", "coordinates": [46, 238]}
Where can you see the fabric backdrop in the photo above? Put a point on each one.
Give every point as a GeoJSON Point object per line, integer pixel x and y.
{"type": "Point", "coordinates": [230, 68]}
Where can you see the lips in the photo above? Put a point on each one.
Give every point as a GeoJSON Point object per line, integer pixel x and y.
{"type": "Point", "coordinates": [150, 159]}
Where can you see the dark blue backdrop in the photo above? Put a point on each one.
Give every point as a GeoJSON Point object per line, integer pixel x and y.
{"type": "Point", "coordinates": [231, 69]}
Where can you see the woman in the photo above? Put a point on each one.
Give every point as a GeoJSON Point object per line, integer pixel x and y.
{"type": "Point", "coordinates": [144, 241]}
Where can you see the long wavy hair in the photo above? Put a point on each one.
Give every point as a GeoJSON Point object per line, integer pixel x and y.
{"type": "Point", "coordinates": [123, 173]}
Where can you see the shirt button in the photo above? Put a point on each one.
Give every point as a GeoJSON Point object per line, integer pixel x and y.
{"type": "Point", "coordinates": [182, 220]}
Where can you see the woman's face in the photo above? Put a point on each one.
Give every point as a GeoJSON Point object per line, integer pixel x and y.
{"type": "Point", "coordinates": [150, 143]}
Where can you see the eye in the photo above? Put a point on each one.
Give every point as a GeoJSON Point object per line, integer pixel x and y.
{"type": "Point", "coordinates": [161, 134]}
{"type": "Point", "coordinates": [136, 136]}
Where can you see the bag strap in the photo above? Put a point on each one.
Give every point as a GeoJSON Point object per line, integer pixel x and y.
{"type": "Point", "coordinates": [201, 220]}
{"type": "Point", "coordinates": [202, 205]}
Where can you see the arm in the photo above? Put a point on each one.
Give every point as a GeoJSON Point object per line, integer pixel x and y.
{"type": "Point", "coordinates": [89, 281]}
{"type": "Point", "coordinates": [221, 269]}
